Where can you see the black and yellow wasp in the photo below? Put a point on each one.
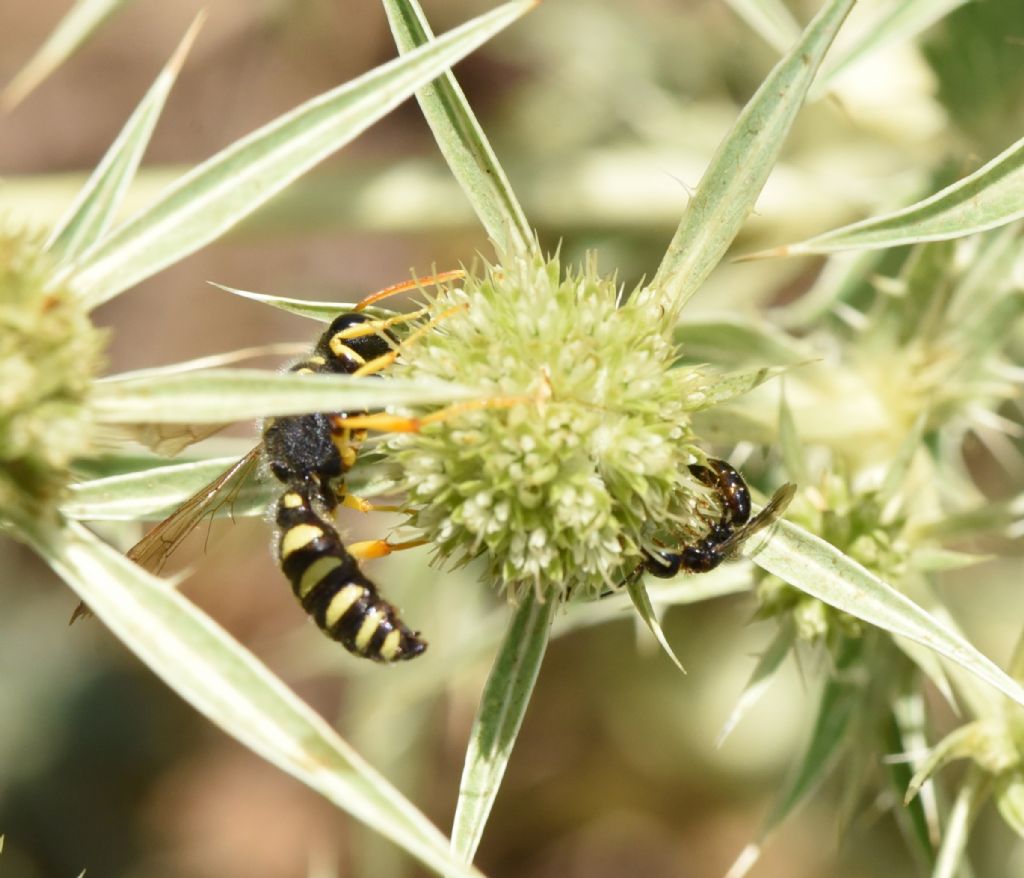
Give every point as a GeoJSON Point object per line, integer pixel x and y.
{"type": "Point", "coordinates": [726, 534]}
{"type": "Point", "coordinates": [310, 455]}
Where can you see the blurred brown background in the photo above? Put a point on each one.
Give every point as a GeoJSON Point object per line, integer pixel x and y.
{"type": "Point", "coordinates": [602, 113]}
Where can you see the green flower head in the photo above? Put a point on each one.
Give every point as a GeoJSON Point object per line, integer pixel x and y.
{"type": "Point", "coordinates": [49, 352]}
{"type": "Point", "coordinates": [561, 486]}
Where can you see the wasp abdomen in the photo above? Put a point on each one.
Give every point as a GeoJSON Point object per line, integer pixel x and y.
{"type": "Point", "coordinates": [728, 484]}
{"type": "Point", "coordinates": [329, 584]}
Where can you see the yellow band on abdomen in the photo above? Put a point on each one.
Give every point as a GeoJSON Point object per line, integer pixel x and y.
{"type": "Point", "coordinates": [369, 627]}
{"type": "Point", "coordinates": [341, 602]}
{"type": "Point", "coordinates": [299, 537]}
{"type": "Point", "coordinates": [315, 573]}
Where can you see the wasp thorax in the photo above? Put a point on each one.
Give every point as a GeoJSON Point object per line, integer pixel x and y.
{"type": "Point", "coordinates": [561, 489]}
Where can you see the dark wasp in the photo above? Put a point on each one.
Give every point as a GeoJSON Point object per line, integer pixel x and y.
{"type": "Point", "coordinates": [733, 527]}
{"type": "Point", "coordinates": [310, 455]}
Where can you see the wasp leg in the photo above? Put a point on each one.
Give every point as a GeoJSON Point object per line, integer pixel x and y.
{"type": "Point", "coordinates": [370, 549]}
{"type": "Point", "coordinates": [388, 423]}
{"type": "Point", "coordinates": [378, 364]}
{"type": "Point", "coordinates": [361, 504]}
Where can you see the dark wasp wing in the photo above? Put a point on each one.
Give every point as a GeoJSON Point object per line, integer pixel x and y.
{"type": "Point", "coordinates": [153, 550]}
{"type": "Point", "coordinates": [771, 512]}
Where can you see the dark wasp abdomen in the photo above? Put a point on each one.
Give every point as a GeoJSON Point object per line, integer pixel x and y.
{"type": "Point", "coordinates": [327, 580]}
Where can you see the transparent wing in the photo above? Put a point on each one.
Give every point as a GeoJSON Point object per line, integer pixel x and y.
{"type": "Point", "coordinates": [153, 550]}
{"type": "Point", "coordinates": [773, 510]}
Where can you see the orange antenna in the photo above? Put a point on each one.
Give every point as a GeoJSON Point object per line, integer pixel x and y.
{"type": "Point", "coordinates": [429, 280]}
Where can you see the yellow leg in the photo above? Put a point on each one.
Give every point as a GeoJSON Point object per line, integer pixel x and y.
{"type": "Point", "coordinates": [370, 549]}
{"type": "Point", "coordinates": [372, 327]}
{"type": "Point", "coordinates": [379, 364]}
{"type": "Point", "coordinates": [361, 504]}
{"type": "Point", "coordinates": [414, 283]}
{"type": "Point", "coordinates": [388, 423]}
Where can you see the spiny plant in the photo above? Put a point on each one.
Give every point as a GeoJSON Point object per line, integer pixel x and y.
{"type": "Point", "coordinates": [560, 492]}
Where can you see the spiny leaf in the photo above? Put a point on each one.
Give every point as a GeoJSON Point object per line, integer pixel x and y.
{"type": "Point", "coordinates": [836, 709]}
{"type": "Point", "coordinates": [740, 167]}
{"type": "Point", "coordinates": [215, 196]}
{"type": "Point", "coordinates": [899, 21]}
{"type": "Point", "coordinates": [219, 395]}
{"type": "Point", "coordinates": [822, 571]}
{"type": "Point", "coordinates": [764, 672]}
{"type": "Point", "coordinates": [97, 203]}
{"type": "Point", "coordinates": [78, 24]}
{"type": "Point", "coordinates": [462, 141]}
{"type": "Point", "coordinates": [229, 686]}
{"type": "Point", "coordinates": [990, 197]}
{"type": "Point", "coordinates": [974, 790]}
{"type": "Point", "coordinates": [770, 20]}
{"type": "Point", "coordinates": [156, 492]}
{"type": "Point", "coordinates": [502, 707]}
{"type": "Point", "coordinates": [642, 602]}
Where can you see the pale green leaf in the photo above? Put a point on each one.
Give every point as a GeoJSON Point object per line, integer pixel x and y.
{"type": "Point", "coordinates": [502, 708]}
{"type": "Point", "coordinates": [738, 171]}
{"type": "Point", "coordinates": [77, 25]}
{"type": "Point", "coordinates": [222, 395]}
{"type": "Point", "coordinates": [229, 686]}
{"type": "Point", "coordinates": [121, 463]}
{"type": "Point", "coordinates": [1005, 517]}
{"type": "Point", "coordinates": [840, 701]}
{"type": "Point", "coordinates": [990, 197]}
{"type": "Point", "coordinates": [905, 738]}
{"type": "Point", "coordinates": [982, 739]}
{"type": "Point", "coordinates": [972, 793]}
{"type": "Point", "coordinates": [986, 279]}
{"type": "Point", "coordinates": [721, 340]}
{"type": "Point", "coordinates": [156, 492]}
{"type": "Point", "coordinates": [733, 384]}
{"type": "Point", "coordinates": [899, 21]}
{"type": "Point", "coordinates": [836, 710]}
{"type": "Point", "coordinates": [322, 311]}
{"type": "Point", "coordinates": [896, 472]}
{"type": "Point", "coordinates": [216, 195]}
{"type": "Point", "coordinates": [770, 20]}
{"type": "Point", "coordinates": [215, 361]}
{"type": "Point", "coordinates": [764, 672]}
{"type": "Point", "coordinates": [327, 311]}
{"type": "Point", "coordinates": [931, 665]}
{"type": "Point", "coordinates": [822, 571]}
{"type": "Point", "coordinates": [793, 454]}
{"type": "Point", "coordinates": [462, 141]}
{"type": "Point", "coordinates": [1009, 796]}
{"type": "Point", "coordinates": [642, 602]}
{"type": "Point", "coordinates": [936, 559]}
{"type": "Point", "coordinates": [92, 212]}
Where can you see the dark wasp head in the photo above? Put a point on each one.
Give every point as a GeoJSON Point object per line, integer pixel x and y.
{"type": "Point", "coordinates": [353, 339]}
